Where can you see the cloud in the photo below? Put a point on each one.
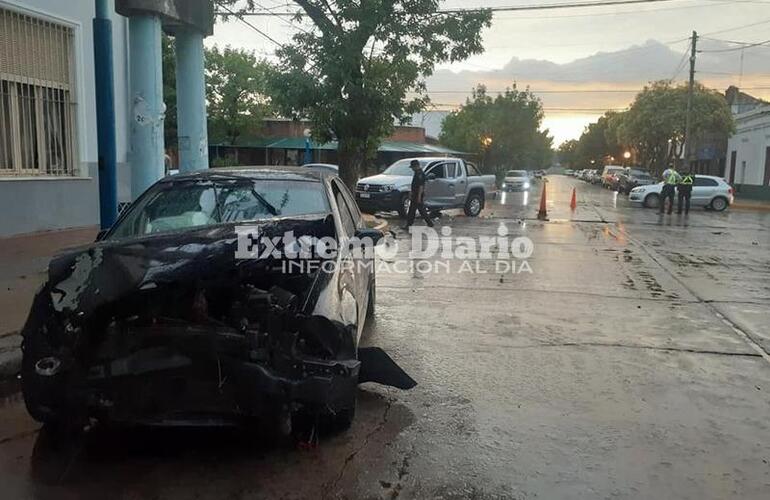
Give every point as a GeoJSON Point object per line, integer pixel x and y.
{"type": "Point", "coordinates": [575, 93]}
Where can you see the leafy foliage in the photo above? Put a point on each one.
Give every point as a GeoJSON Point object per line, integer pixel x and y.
{"type": "Point", "coordinates": [235, 88]}
{"type": "Point", "coordinates": [362, 67]}
{"type": "Point", "coordinates": [503, 130]}
{"type": "Point", "coordinates": [655, 123]}
{"type": "Point", "coordinates": [235, 91]}
{"type": "Point", "coordinates": [599, 142]}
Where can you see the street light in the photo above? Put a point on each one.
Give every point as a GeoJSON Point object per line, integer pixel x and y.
{"type": "Point", "coordinates": [486, 141]}
{"type": "Point", "coordinates": [627, 155]}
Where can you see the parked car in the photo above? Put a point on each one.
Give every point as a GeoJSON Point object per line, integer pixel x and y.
{"type": "Point", "coordinates": [516, 180]}
{"type": "Point", "coordinates": [323, 167]}
{"type": "Point", "coordinates": [451, 183]}
{"type": "Point", "coordinates": [569, 171]}
{"type": "Point", "coordinates": [539, 174]}
{"type": "Point", "coordinates": [631, 178]}
{"type": "Point", "coordinates": [160, 321]}
{"type": "Point", "coordinates": [609, 175]}
{"type": "Point", "coordinates": [707, 191]}
{"type": "Point", "coordinates": [593, 176]}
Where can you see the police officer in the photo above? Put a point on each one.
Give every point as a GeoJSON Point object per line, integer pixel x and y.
{"type": "Point", "coordinates": [684, 193]}
{"type": "Point", "coordinates": [417, 196]}
{"type": "Point", "coordinates": [670, 180]}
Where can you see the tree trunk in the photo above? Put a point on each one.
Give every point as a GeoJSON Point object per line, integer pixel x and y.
{"type": "Point", "coordinates": [350, 157]}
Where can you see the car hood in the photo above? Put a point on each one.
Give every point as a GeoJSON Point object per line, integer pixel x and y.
{"type": "Point", "coordinates": [517, 179]}
{"type": "Point", "coordinates": [384, 180]}
{"type": "Point", "coordinates": [172, 275]}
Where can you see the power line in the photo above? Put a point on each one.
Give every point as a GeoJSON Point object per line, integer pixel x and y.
{"type": "Point", "coordinates": [247, 23]}
{"type": "Point", "coordinates": [744, 46]}
{"type": "Point", "coordinates": [681, 64]}
{"type": "Point", "coordinates": [515, 8]}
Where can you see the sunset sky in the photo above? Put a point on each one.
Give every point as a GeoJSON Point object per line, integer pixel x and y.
{"type": "Point", "coordinates": [580, 61]}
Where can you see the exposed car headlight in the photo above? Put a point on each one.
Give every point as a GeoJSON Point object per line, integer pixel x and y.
{"type": "Point", "coordinates": [505, 184]}
{"type": "Point", "coordinates": [637, 190]}
{"type": "Point", "coordinates": [526, 185]}
{"type": "Point", "coordinates": [389, 187]}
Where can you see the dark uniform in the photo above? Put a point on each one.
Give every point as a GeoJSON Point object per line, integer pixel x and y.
{"type": "Point", "coordinates": [684, 193]}
{"type": "Point", "coordinates": [417, 198]}
{"type": "Point", "coordinates": [670, 180]}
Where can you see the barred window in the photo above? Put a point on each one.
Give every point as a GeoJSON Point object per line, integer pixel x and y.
{"type": "Point", "coordinates": [37, 101]}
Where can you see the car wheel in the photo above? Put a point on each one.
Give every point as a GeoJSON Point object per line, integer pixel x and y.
{"type": "Point", "coordinates": [403, 207]}
{"type": "Point", "coordinates": [652, 201]}
{"type": "Point", "coordinates": [473, 205]}
{"type": "Point", "coordinates": [343, 418]}
{"type": "Point", "coordinates": [719, 204]}
{"type": "Point", "coordinates": [372, 300]}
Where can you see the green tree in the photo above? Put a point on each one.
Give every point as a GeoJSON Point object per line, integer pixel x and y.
{"type": "Point", "coordinates": [504, 130]}
{"type": "Point", "coordinates": [169, 90]}
{"type": "Point", "coordinates": [362, 67]}
{"type": "Point", "coordinates": [568, 153]}
{"type": "Point", "coordinates": [598, 142]}
{"type": "Point", "coordinates": [235, 89]}
{"type": "Point", "coordinates": [655, 123]}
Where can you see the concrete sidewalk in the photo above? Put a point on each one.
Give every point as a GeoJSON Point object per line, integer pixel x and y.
{"type": "Point", "coordinates": [23, 264]}
{"type": "Point", "coordinates": [749, 204]}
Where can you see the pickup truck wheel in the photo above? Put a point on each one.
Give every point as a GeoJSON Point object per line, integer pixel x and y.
{"type": "Point", "coordinates": [403, 207]}
{"type": "Point", "coordinates": [652, 201]}
{"type": "Point", "coordinates": [42, 394]}
{"type": "Point", "coordinates": [474, 204]}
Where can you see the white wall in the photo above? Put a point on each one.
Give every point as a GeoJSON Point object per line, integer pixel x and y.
{"type": "Point", "coordinates": [750, 141]}
{"type": "Point", "coordinates": [33, 204]}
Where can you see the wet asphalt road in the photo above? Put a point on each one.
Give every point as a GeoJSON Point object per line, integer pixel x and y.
{"type": "Point", "coordinates": [628, 364]}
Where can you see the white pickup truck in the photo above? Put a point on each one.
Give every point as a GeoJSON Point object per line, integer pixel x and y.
{"type": "Point", "coordinates": [451, 183]}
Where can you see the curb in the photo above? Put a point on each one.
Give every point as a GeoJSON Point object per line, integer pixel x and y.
{"type": "Point", "coordinates": [10, 355]}
{"type": "Point", "coordinates": [758, 207]}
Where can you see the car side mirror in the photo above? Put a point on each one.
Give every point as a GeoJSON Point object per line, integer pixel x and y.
{"type": "Point", "coordinates": [431, 177]}
{"type": "Point", "coordinates": [101, 234]}
{"type": "Point", "coordinates": [375, 235]}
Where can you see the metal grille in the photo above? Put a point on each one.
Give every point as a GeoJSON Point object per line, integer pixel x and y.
{"type": "Point", "coordinates": [37, 105]}
{"type": "Point", "coordinates": [369, 188]}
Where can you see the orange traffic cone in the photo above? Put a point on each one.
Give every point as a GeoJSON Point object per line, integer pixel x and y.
{"type": "Point", "coordinates": [542, 214]}
{"type": "Point", "coordinates": [573, 203]}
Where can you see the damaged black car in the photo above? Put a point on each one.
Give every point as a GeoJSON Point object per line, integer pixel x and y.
{"type": "Point", "coordinates": [218, 296]}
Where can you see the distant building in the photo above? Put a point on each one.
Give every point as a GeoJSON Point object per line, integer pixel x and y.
{"type": "Point", "coordinates": [282, 142]}
{"type": "Point", "coordinates": [748, 165]}
{"type": "Point", "coordinates": [48, 156]}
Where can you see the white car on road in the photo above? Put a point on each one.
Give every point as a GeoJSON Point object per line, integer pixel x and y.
{"type": "Point", "coordinates": [707, 191]}
{"type": "Point", "coordinates": [516, 180]}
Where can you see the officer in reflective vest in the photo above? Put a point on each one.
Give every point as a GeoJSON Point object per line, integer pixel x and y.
{"type": "Point", "coordinates": [670, 180]}
{"type": "Point", "coordinates": [684, 193]}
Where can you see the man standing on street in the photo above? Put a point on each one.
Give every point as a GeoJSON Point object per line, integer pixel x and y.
{"type": "Point", "coordinates": [670, 180]}
{"type": "Point", "coordinates": [417, 201]}
{"type": "Point", "coordinates": [684, 193]}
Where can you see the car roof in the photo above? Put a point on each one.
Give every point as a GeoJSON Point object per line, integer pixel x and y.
{"type": "Point", "coordinates": [254, 172]}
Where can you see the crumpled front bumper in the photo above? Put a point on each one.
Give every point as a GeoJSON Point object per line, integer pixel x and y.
{"type": "Point", "coordinates": [157, 385]}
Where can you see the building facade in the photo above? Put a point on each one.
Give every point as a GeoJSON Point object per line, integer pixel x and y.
{"type": "Point", "coordinates": [48, 146]}
{"type": "Point", "coordinates": [748, 162]}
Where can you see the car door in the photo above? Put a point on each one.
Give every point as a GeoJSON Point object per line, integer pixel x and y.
{"type": "Point", "coordinates": [353, 283]}
{"type": "Point", "coordinates": [461, 184]}
{"type": "Point", "coordinates": [439, 190]}
{"type": "Point", "coordinates": [703, 190]}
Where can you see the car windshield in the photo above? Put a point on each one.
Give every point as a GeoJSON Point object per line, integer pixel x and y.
{"type": "Point", "coordinates": [516, 173]}
{"type": "Point", "coordinates": [402, 168]}
{"type": "Point", "coordinates": [177, 206]}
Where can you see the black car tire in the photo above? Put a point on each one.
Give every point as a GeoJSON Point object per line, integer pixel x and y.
{"type": "Point", "coordinates": [719, 204]}
{"type": "Point", "coordinates": [403, 205]}
{"type": "Point", "coordinates": [652, 200]}
{"type": "Point", "coordinates": [472, 209]}
{"type": "Point", "coordinates": [370, 306]}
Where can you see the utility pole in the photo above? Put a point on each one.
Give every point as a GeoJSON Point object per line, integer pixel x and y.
{"type": "Point", "coordinates": [105, 114]}
{"type": "Point", "coordinates": [691, 90]}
